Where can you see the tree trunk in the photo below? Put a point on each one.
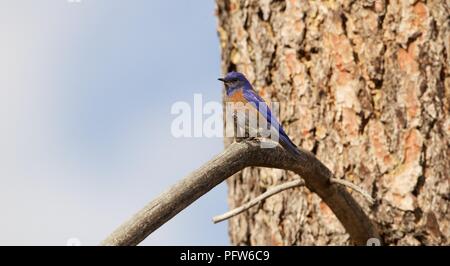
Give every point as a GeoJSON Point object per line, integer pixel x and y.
{"type": "Point", "coordinates": [365, 85]}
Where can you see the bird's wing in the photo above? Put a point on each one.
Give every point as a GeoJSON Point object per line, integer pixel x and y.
{"type": "Point", "coordinates": [260, 105]}
{"type": "Point", "coordinates": [254, 99]}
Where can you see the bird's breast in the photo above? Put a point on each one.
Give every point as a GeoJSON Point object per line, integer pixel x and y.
{"type": "Point", "coordinates": [237, 96]}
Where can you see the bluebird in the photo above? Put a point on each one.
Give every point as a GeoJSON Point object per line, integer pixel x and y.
{"type": "Point", "coordinates": [239, 90]}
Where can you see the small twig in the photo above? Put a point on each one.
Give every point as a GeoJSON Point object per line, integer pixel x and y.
{"type": "Point", "coordinates": [270, 192]}
{"type": "Point", "coordinates": [277, 189]}
{"type": "Point", "coordinates": [354, 187]}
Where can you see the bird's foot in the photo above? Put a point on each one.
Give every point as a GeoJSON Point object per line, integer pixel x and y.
{"type": "Point", "coordinates": [251, 139]}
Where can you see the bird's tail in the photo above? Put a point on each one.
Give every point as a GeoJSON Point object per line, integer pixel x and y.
{"type": "Point", "coordinates": [286, 143]}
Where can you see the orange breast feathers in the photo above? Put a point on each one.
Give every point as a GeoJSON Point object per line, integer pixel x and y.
{"type": "Point", "coordinates": [237, 97]}
{"type": "Point", "coordinates": [240, 104]}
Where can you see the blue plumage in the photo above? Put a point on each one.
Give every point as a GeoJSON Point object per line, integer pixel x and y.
{"type": "Point", "coordinates": [239, 89]}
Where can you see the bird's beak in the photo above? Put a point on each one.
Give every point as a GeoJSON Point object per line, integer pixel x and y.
{"type": "Point", "coordinates": [222, 79]}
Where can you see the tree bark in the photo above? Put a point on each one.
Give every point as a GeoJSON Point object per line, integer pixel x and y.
{"type": "Point", "coordinates": [364, 85]}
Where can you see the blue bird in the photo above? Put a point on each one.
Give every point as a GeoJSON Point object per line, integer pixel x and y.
{"type": "Point", "coordinates": [239, 90]}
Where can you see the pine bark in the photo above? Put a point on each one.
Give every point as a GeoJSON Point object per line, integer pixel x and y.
{"type": "Point", "coordinates": [365, 85]}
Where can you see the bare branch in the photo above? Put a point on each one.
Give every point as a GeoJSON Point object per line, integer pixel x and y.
{"type": "Point", "coordinates": [354, 187]}
{"type": "Point", "coordinates": [270, 192]}
{"type": "Point", "coordinates": [233, 159]}
{"type": "Point", "coordinates": [280, 188]}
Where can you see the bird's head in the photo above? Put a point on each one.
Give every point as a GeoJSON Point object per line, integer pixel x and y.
{"type": "Point", "coordinates": [235, 80]}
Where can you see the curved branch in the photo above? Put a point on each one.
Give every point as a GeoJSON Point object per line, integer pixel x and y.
{"type": "Point", "coordinates": [280, 188]}
{"type": "Point", "coordinates": [233, 159]}
{"type": "Point", "coordinates": [270, 192]}
{"type": "Point", "coordinates": [354, 187]}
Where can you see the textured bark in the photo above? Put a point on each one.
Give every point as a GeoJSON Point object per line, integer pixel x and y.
{"type": "Point", "coordinates": [365, 85]}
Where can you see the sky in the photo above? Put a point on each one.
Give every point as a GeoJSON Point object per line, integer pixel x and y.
{"type": "Point", "coordinates": [86, 89]}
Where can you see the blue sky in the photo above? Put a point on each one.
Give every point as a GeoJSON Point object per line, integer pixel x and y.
{"type": "Point", "coordinates": [85, 95]}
